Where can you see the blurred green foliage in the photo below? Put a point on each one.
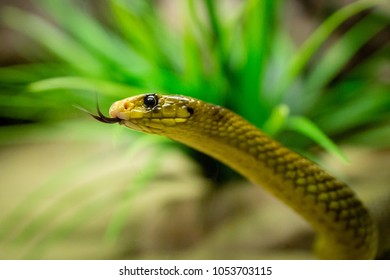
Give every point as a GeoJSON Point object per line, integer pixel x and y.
{"type": "Point", "coordinates": [234, 53]}
{"type": "Point", "coordinates": [243, 59]}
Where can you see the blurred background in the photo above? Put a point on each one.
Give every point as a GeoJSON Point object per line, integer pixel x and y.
{"type": "Point", "coordinates": [315, 75]}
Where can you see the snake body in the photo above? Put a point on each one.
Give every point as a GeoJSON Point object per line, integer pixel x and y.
{"type": "Point", "coordinates": [343, 224]}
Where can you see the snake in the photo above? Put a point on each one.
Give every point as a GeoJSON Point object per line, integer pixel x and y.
{"type": "Point", "coordinates": [343, 225]}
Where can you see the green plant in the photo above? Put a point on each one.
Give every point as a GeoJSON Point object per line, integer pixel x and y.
{"type": "Point", "coordinates": [237, 60]}
{"type": "Point", "coordinates": [244, 60]}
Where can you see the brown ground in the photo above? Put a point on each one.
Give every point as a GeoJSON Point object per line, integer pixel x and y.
{"type": "Point", "coordinates": [76, 188]}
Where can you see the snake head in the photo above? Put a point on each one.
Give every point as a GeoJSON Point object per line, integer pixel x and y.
{"type": "Point", "coordinates": [152, 113]}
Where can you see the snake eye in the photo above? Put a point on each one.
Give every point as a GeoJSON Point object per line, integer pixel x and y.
{"type": "Point", "coordinates": [190, 110]}
{"type": "Point", "coordinates": [150, 100]}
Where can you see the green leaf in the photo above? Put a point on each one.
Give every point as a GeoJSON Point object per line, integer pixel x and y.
{"type": "Point", "coordinates": [277, 120]}
{"type": "Point", "coordinates": [260, 25]}
{"type": "Point", "coordinates": [97, 39]}
{"type": "Point", "coordinates": [138, 183]}
{"type": "Point", "coordinates": [55, 40]}
{"type": "Point", "coordinates": [79, 83]}
{"type": "Point", "coordinates": [310, 130]}
{"type": "Point", "coordinates": [341, 52]}
{"type": "Point", "coordinates": [300, 60]}
{"type": "Point", "coordinates": [135, 28]}
{"type": "Point", "coordinates": [377, 137]}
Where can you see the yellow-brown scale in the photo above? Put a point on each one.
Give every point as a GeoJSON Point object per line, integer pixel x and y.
{"type": "Point", "coordinates": [345, 228]}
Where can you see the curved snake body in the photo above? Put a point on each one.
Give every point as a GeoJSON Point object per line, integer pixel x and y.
{"type": "Point", "coordinates": [344, 226]}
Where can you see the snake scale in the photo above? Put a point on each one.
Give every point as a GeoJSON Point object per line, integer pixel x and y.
{"type": "Point", "coordinates": [344, 226]}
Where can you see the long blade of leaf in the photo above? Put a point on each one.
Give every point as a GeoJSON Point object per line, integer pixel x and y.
{"type": "Point", "coordinates": [310, 130]}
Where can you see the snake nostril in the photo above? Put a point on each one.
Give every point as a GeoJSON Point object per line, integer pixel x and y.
{"type": "Point", "coordinates": [126, 105]}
